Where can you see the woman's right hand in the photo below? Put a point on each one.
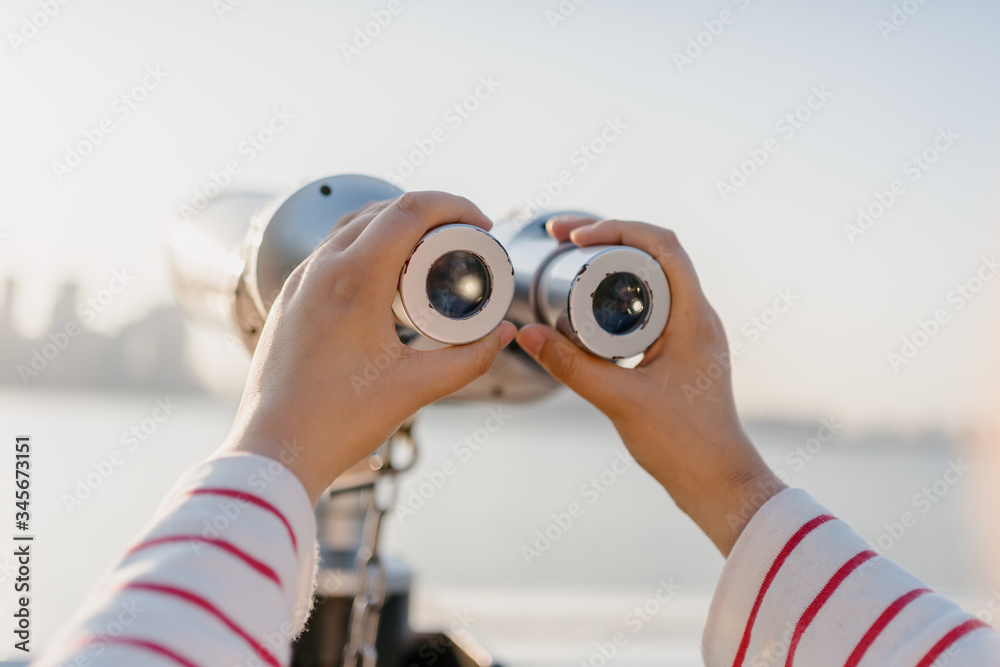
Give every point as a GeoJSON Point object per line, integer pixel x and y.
{"type": "Point", "coordinates": [674, 411]}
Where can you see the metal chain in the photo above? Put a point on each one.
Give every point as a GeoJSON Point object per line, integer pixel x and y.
{"type": "Point", "coordinates": [370, 574]}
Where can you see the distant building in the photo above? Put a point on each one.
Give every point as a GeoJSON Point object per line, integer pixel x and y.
{"type": "Point", "coordinates": [148, 353]}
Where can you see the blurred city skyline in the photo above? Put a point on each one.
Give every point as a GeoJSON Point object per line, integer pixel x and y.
{"type": "Point", "coordinates": [756, 134]}
{"type": "Point", "coordinates": [145, 354]}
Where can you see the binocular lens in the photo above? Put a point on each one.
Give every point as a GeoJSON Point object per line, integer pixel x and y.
{"type": "Point", "coordinates": [620, 303]}
{"type": "Point", "coordinates": [458, 284]}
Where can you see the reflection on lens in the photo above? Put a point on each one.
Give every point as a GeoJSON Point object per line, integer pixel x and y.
{"type": "Point", "coordinates": [458, 284]}
{"type": "Point", "coordinates": [620, 303]}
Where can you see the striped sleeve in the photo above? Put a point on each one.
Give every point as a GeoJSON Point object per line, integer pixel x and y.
{"type": "Point", "coordinates": [222, 575]}
{"type": "Point", "coordinates": [801, 588]}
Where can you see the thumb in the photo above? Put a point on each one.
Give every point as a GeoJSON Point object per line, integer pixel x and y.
{"type": "Point", "coordinates": [590, 377]}
{"type": "Point", "coordinates": [449, 369]}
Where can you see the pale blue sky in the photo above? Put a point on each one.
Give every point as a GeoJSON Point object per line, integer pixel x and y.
{"type": "Point", "coordinates": [685, 131]}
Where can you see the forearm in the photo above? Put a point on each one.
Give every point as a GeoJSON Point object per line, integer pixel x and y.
{"type": "Point", "coordinates": [222, 575]}
{"type": "Point", "coordinates": [723, 492]}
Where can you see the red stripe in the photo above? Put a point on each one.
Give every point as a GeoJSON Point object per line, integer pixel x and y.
{"type": "Point", "coordinates": [253, 500]}
{"type": "Point", "coordinates": [771, 574]}
{"type": "Point", "coordinates": [153, 647]}
{"type": "Point", "coordinates": [949, 639]}
{"type": "Point", "coordinates": [201, 602]}
{"type": "Point", "coordinates": [880, 623]}
{"type": "Point", "coordinates": [228, 547]}
{"type": "Point", "coordinates": [831, 586]}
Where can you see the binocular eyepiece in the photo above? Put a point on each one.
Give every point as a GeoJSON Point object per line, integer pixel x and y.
{"type": "Point", "coordinates": [612, 301]}
{"type": "Point", "coordinates": [457, 285]}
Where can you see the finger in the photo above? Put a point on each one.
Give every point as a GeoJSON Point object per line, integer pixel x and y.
{"type": "Point", "coordinates": [348, 227]}
{"type": "Point", "coordinates": [661, 244]}
{"type": "Point", "coordinates": [447, 370]}
{"type": "Point", "coordinates": [325, 259]}
{"type": "Point", "coordinates": [560, 226]}
{"type": "Point", "coordinates": [387, 241]}
{"type": "Point", "coordinates": [590, 377]}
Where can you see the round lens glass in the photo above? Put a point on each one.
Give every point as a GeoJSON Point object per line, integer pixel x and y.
{"type": "Point", "coordinates": [458, 284]}
{"type": "Point", "coordinates": [620, 303]}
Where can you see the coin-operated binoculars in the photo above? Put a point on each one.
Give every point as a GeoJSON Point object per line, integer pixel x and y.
{"type": "Point", "coordinates": [458, 284]}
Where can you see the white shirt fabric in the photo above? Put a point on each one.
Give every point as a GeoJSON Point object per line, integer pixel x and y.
{"type": "Point", "coordinates": [223, 576]}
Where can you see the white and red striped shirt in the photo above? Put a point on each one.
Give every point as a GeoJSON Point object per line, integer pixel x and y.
{"type": "Point", "coordinates": [223, 576]}
{"type": "Point", "coordinates": [801, 588]}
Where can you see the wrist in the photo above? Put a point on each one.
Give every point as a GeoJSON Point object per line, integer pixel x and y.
{"type": "Point", "coordinates": [738, 504]}
{"type": "Point", "coordinates": [292, 454]}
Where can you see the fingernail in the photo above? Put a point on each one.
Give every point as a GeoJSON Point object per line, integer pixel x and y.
{"type": "Point", "coordinates": [508, 333]}
{"type": "Point", "coordinates": [531, 340]}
